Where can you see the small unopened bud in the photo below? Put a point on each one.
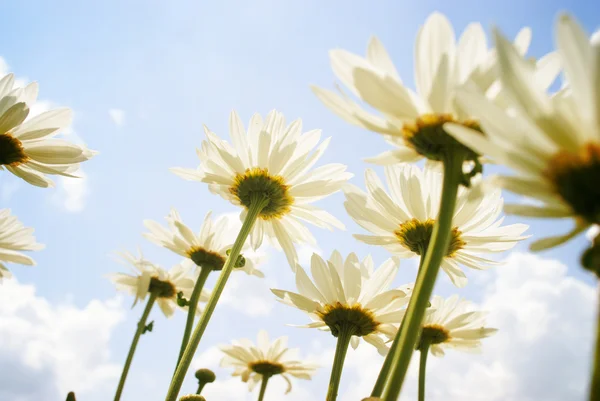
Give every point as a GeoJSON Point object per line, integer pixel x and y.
{"type": "Point", "coordinates": [192, 397]}
{"type": "Point", "coordinates": [205, 375]}
{"type": "Point", "coordinates": [71, 396]}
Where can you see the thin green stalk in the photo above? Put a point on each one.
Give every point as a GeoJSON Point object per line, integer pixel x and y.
{"type": "Point", "coordinates": [140, 330]}
{"type": "Point", "coordinates": [263, 387]}
{"type": "Point", "coordinates": [387, 363]}
{"type": "Point", "coordinates": [438, 245]}
{"type": "Point", "coordinates": [189, 324]}
{"type": "Point", "coordinates": [343, 341]}
{"type": "Point", "coordinates": [595, 385]}
{"type": "Point", "coordinates": [424, 349]}
{"type": "Point", "coordinates": [257, 205]}
{"type": "Point", "coordinates": [200, 387]}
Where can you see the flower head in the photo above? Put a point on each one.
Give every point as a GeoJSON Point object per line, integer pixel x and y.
{"type": "Point", "coordinates": [267, 358]}
{"type": "Point", "coordinates": [413, 121]}
{"type": "Point", "coordinates": [150, 278]}
{"type": "Point", "coordinates": [15, 237]}
{"type": "Point", "coordinates": [453, 324]}
{"type": "Point", "coordinates": [402, 221]}
{"type": "Point", "coordinates": [552, 141]}
{"type": "Point", "coordinates": [273, 162]}
{"type": "Point", "coordinates": [209, 248]}
{"type": "Point", "coordinates": [349, 294]}
{"type": "Point", "coordinates": [28, 148]}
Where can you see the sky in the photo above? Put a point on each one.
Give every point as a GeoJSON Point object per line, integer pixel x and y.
{"type": "Point", "coordinates": [142, 78]}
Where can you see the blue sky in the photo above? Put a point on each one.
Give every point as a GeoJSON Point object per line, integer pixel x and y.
{"type": "Point", "coordinates": [173, 66]}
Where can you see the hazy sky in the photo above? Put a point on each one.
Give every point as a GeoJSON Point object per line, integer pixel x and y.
{"type": "Point", "coordinates": [142, 78]}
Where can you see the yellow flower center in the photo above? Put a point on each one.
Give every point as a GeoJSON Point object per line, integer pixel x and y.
{"type": "Point", "coordinates": [428, 138]}
{"type": "Point", "coordinates": [415, 235]}
{"type": "Point", "coordinates": [11, 151]}
{"type": "Point", "coordinates": [339, 315]}
{"type": "Point", "coordinates": [576, 178]}
{"type": "Point", "coordinates": [204, 258]}
{"type": "Point", "coordinates": [258, 181]}
{"type": "Point", "coordinates": [434, 334]}
{"type": "Point", "coordinates": [162, 288]}
{"type": "Point", "coordinates": [266, 368]}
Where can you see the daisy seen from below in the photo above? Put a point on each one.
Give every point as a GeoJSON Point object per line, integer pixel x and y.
{"type": "Point", "coordinates": [551, 140]}
{"type": "Point", "coordinates": [402, 220]}
{"type": "Point", "coordinates": [412, 121]}
{"type": "Point", "coordinates": [160, 286]}
{"type": "Point", "coordinates": [350, 299]}
{"type": "Point", "coordinates": [14, 238]}
{"type": "Point", "coordinates": [452, 324]}
{"type": "Point", "coordinates": [274, 161]}
{"type": "Point", "coordinates": [28, 147]}
{"type": "Point", "coordinates": [258, 363]}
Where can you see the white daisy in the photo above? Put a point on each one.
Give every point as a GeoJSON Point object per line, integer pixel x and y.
{"type": "Point", "coordinates": [28, 148]}
{"type": "Point", "coordinates": [275, 161]}
{"type": "Point", "coordinates": [552, 141]}
{"type": "Point", "coordinates": [253, 362]}
{"type": "Point", "coordinates": [348, 293]}
{"type": "Point", "coordinates": [15, 237]}
{"type": "Point", "coordinates": [402, 221]}
{"type": "Point", "coordinates": [412, 120]}
{"type": "Point", "coordinates": [207, 248]}
{"type": "Point", "coordinates": [149, 277]}
{"type": "Point", "coordinates": [453, 324]}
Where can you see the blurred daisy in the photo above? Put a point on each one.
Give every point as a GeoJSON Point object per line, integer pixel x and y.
{"type": "Point", "coordinates": [453, 324]}
{"type": "Point", "coordinates": [412, 121]}
{"type": "Point", "coordinates": [552, 141]}
{"type": "Point", "coordinates": [402, 221]}
{"type": "Point", "coordinates": [28, 148]}
{"type": "Point", "coordinates": [274, 161]}
{"type": "Point", "coordinates": [15, 237]}
{"type": "Point", "coordinates": [208, 248]}
{"type": "Point", "coordinates": [348, 294]}
{"type": "Point", "coordinates": [150, 278]}
{"type": "Point", "coordinates": [264, 360]}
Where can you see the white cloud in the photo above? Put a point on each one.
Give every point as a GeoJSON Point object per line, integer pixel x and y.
{"type": "Point", "coordinates": [117, 116]}
{"type": "Point", "coordinates": [50, 349]}
{"type": "Point", "coordinates": [542, 351]}
{"type": "Point", "coordinates": [249, 295]}
{"type": "Point", "coordinates": [596, 37]}
{"type": "Point", "coordinates": [305, 253]}
{"type": "Point", "coordinates": [72, 192]}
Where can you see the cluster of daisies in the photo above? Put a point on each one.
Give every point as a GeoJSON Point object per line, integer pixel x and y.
{"type": "Point", "coordinates": [470, 103]}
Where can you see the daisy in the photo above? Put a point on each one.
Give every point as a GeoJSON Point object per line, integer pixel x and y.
{"type": "Point", "coordinates": [350, 294]}
{"type": "Point", "coordinates": [152, 279]}
{"type": "Point", "coordinates": [256, 363]}
{"type": "Point", "coordinates": [274, 162]}
{"type": "Point", "coordinates": [209, 248]}
{"type": "Point", "coordinates": [552, 141]}
{"type": "Point", "coordinates": [28, 148]}
{"type": "Point", "coordinates": [453, 324]}
{"type": "Point", "coordinates": [15, 237]}
{"type": "Point", "coordinates": [412, 120]}
{"type": "Point", "coordinates": [402, 221]}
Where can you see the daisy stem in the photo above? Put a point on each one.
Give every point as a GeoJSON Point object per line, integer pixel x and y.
{"type": "Point", "coordinates": [343, 341]}
{"type": "Point", "coordinates": [595, 385]}
{"type": "Point", "coordinates": [263, 387]}
{"type": "Point", "coordinates": [387, 363]}
{"type": "Point", "coordinates": [257, 204]}
{"type": "Point", "coordinates": [200, 387]}
{"type": "Point", "coordinates": [189, 324]}
{"type": "Point", "coordinates": [424, 349]}
{"type": "Point", "coordinates": [138, 333]}
{"type": "Point", "coordinates": [438, 246]}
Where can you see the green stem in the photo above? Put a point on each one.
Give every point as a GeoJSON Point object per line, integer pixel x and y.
{"type": "Point", "coordinates": [140, 329]}
{"type": "Point", "coordinates": [256, 206]}
{"type": "Point", "coordinates": [424, 349]}
{"type": "Point", "coordinates": [595, 385]}
{"type": "Point", "coordinates": [193, 305]}
{"type": "Point", "coordinates": [263, 387]}
{"type": "Point", "coordinates": [343, 341]}
{"type": "Point", "coordinates": [438, 246]}
{"type": "Point", "coordinates": [387, 363]}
